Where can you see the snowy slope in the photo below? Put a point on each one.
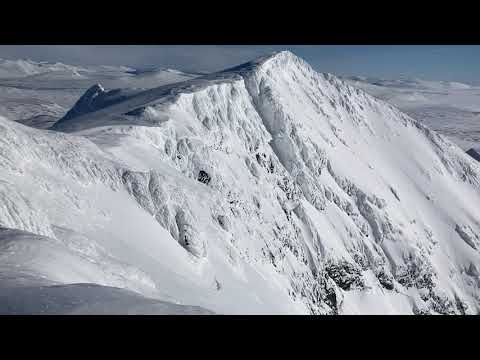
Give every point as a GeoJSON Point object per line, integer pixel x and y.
{"type": "Point", "coordinates": [266, 188]}
{"type": "Point", "coordinates": [85, 299]}
{"type": "Point", "coordinates": [451, 108]}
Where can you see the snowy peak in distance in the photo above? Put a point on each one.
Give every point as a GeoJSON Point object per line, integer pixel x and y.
{"type": "Point", "coordinates": [451, 108]}
{"type": "Point", "coordinates": [87, 102]}
{"type": "Point", "coordinates": [44, 70]}
{"type": "Point", "coordinates": [23, 68]}
{"type": "Point", "coordinates": [409, 83]}
{"type": "Point", "coordinates": [96, 98]}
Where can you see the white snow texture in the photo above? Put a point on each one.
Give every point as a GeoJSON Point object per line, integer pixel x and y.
{"type": "Point", "coordinates": [268, 188]}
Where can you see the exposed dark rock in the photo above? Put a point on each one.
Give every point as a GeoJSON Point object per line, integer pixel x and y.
{"type": "Point", "coordinates": [260, 159]}
{"type": "Point", "coordinates": [417, 272]}
{"type": "Point", "coordinates": [203, 177]}
{"type": "Point", "coordinates": [461, 305]}
{"type": "Point", "coordinates": [394, 192]}
{"type": "Point", "coordinates": [474, 154]}
{"type": "Point", "coordinates": [442, 304]}
{"type": "Point", "coordinates": [345, 275]}
{"type": "Point", "coordinates": [385, 280]}
{"type": "Point", "coordinates": [224, 222]}
{"type": "Point", "coordinates": [331, 299]}
{"type": "Point", "coordinates": [218, 285]}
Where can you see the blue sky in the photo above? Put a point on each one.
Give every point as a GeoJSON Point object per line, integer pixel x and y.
{"type": "Point", "coordinates": [450, 63]}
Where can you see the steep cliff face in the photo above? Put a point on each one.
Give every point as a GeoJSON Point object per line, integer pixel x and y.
{"type": "Point", "coordinates": [266, 188]}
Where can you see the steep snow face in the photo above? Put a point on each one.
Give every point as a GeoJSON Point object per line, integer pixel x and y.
{"type": "Point", "coordinates": [386, 179]}
{"type": "Point", "coordinates": [266, 188]}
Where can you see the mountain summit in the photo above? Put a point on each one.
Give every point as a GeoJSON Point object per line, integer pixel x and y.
{"type": "Point", "coordinates": [264, 188]}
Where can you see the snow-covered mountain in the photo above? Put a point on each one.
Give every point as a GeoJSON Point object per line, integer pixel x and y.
{"type": "Point", "coordinates": [451, 108]}
{"type": "Point", "coordinates": [39, 93]}
{"type": "Point", "coordinates": [21, 68]}
{"type": "Point", "coordinates": [265, 188]}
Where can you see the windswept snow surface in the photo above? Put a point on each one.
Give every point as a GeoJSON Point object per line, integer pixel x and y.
{"type": "Point", "coordinates": [86, 299]}
{"type": "Point", "coordinates": [263, 189]}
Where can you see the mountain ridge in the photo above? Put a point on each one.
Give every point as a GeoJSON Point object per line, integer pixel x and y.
{"type": "Point", "coordinates": [167, 92]}
{"type": "Point", "coordinates": [265, 188]}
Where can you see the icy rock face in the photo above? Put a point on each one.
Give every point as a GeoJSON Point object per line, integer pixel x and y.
{"type": "Point", "coordinates": [269, 188]}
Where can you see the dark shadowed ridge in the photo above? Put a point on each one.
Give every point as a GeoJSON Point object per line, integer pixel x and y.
{"type": "Point", "coordinates": [474, 153]}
